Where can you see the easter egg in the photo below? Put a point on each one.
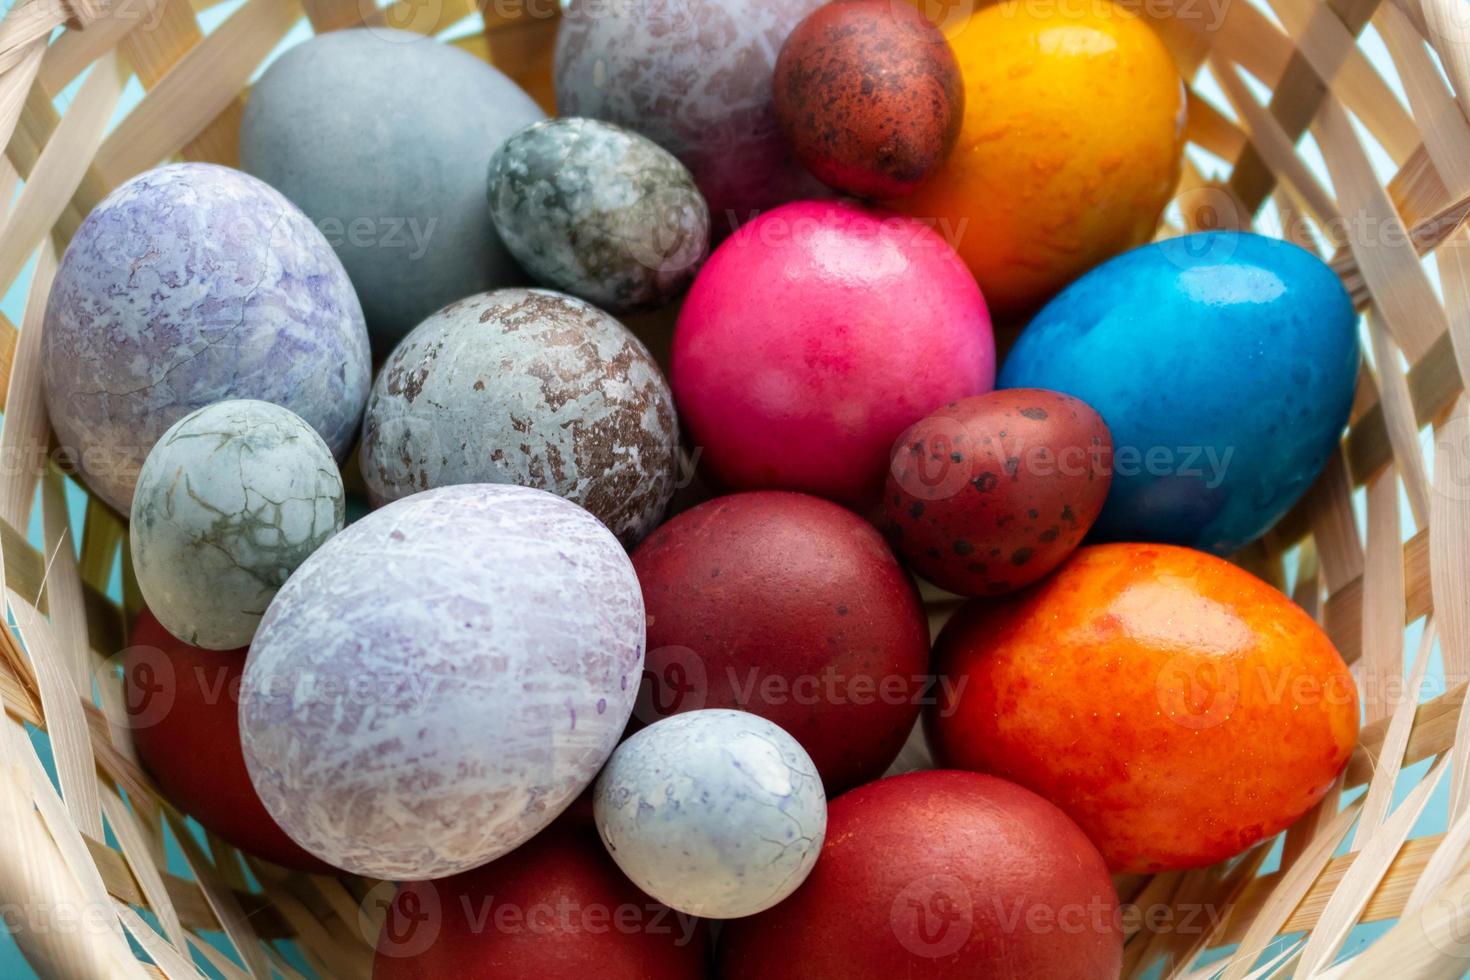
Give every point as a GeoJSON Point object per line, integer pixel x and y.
{"type": "Point", "coordinates": [1178, 708]}
{"type": "Point", "coordinates": [1070, 147]}
{"type": "Point", "coordinates": [440, 680]}
{"type": "Point", "coordinates": [230, 501]}
{"type": "Point", "coordinates": [556, 908]}
{"type": "Point", "coordinates": [383, 138]}
{"type": "Point", "coordinates": [817, 334]}
{"type": "Point", "coordinates": [942, 875]}
{"type": "Point", "coordinates": [869, 96]}
{"type": "Point", "coordinates": [188, 285]}
{"type": "Point", "coordinates": [530, 387]}
{"type": "Point", "coordinates": [694, 76]}
{"type": "Point", "coordinates": [181, 704]}
{"type": "Point", "coordinates": [990, 493]}
{"type": "Point", "coordinates": [1224, 364]}
{"type": "Point", "coordinates": [598, 211]}
{"type": "Point", "coordinates": [794, 609]}
{"type": "Point", "coordinates": [716, 813]}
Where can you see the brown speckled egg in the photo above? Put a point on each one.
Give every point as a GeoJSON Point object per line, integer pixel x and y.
{"type": "Point", "coordinates": [989, 494]}
{"type": "Point", "coordinates": [869, 95]}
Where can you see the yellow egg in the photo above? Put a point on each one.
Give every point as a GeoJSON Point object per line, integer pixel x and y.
{"type": "Point", "coordinates": [1070, 149]}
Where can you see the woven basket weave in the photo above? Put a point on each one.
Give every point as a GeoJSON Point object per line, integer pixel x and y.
{"type": "Point", "coordinates": [82, 870]}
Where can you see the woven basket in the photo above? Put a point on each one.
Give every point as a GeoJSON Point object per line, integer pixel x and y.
{"type": "Point", "coordinates": [82, 869]}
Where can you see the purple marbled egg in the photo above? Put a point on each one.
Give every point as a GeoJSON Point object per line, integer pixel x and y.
{"type": "Point", "coordinates": [188, 285]}
{"type": "Point", "coordinates": [441, 679]}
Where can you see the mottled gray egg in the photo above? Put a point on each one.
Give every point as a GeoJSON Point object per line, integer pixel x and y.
{"type": "Point", "coordinates": [717, 813]}
{"type": "Point", "coordinates": [188, 285]}
{"type": "Point", "coordinates": [441, 679]}
{"type": "Point", "coordinates": [694, 76]}
{"type": "Point", "coordinates": [383, 138]}
{"type": "Point", "coordinates": [531, 387]}
{"type": "Point", "coordinates": [599, 212]}
{"type": "Point", "coordinates": [230, 501]}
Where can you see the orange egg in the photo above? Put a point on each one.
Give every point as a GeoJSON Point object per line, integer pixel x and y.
{"type": "Point", "coordinates": [1176, 707]}
{"type": "Point", "coordinates": [1070, 147]}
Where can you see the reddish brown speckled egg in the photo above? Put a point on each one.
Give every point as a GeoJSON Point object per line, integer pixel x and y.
{"type": "Point", "coordinates": [990, 493]}
{"type": "Point", "coordinates": [869, 95]}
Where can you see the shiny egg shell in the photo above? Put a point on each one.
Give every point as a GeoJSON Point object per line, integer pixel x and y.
{"type": "Point", "coordinates": [990, 493]}
{"type": "Point", "coordinates": [869, 96]}
{"type": "Point", "coordinates": [440, 680]}
{"type": "Point", "coordinates": [1224, 364]}
{"type": "Point", "coordinates": [716, 813]}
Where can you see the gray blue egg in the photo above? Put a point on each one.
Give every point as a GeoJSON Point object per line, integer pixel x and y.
{"type": "Point", "coordinates": [716, 813]}
{"type": "Point", "coordinates": [383, 138]}
{"type": "Point", "coordinates": [598, 211]}
{"type": "Point", "coordinates": [1224, 363]}
{"type": "Point", "coordinates": [230, 501]}
{"type": "Point", "coordinates": [192, 284]}
{"type": "Point", "coordinates": [531, 387]}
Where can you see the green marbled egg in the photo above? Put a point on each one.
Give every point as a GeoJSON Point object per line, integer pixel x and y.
{"type": "Point", "coordinates": [229, 502]}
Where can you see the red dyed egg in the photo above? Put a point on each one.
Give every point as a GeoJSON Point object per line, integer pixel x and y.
{"type": "Point", "coordinates": [990, 493]}
{"type": "Point", "coordinates": [182, 705]}
{"type": "Point", "coordinates": [943, 875]}
{"type": "Point", "coordinates": [869, 95]}
{"type": "Point", "coordinates": [555, 908]}
{"type": "Point", "coordinates": [792, 608]}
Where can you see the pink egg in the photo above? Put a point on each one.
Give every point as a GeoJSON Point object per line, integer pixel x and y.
{"type": "Point", "coordinates": [814, 336]}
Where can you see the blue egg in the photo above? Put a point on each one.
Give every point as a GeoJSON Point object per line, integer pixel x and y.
{"type": "Point", "coordinates": [1224, 363]}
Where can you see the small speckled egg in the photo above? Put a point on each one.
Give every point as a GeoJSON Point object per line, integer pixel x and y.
{"type": "Point", "coordinates": [383, 138]}
{"type": "Point", "coordinates": [230, 501]}
{"type": "Point", "coordinates": [530, 387]}
{"type": "Point", "coordinates": [600, 212]}
{"type": "Point", "coordinates": [814, 336]}
{"type": "Point", "coordinates": [990, 493]}
{"type": "Point", "coordinates": [869, 96]}
{"type": "Point", "coordinates": [694, 76]}
{"type": "Point", "coordinates": [716, 813]}
{"type": "Point", "coordinates": [188, 285]}
{"type": "Point", "coordinates": [441, 679]}
{"type": "Point", "coordinates": [1070, 147]}
{"type": "Point", "coordinates": [1241, 357]}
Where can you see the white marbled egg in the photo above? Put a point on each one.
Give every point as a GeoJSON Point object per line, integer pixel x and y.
{"type": "Point", "coordinates": [230, 500]}
{"type": "Point", "coordinates": [716, 813]}
{"type": "Point", "coordinates": [442, 679]}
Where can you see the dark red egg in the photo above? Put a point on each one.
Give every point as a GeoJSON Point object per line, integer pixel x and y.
{"type": "Point", "coordinates": [555, 908]}
{"type": "Point", "coordinates": [183, 704]}
{"type": "Point", "coordinates": [869, 95]}
{"type": "Point", "coordinates": [793, 608]}
{"type": "Point", "coordinates": [941, 875]}
{"type": "Point", "coordinates": [990, 493]}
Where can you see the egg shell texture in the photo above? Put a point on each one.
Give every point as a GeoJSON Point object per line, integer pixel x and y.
{"type": "Point", "coordinates": [694, 76]}
{"type": "Point", "coordinates": [230, 501]}
{"type": "Point", "coordinates": [1224, 364]}
{"type": "Point", "coordinates": [1175, 706]}
{"type": "Point", "coordinates": [814, 337]}
{"type": "Point", "coordinates": [716, 813]}
{"type": "Point", "coordinates": [941, 875]}
{"type": "Point", "coordinates": [556, 908]}
{"type": "Point", "coordinates": [1070, 147]}
{"type": "Point", "coordinates": [600, 212]}
{"type": "Point", "coordinates": [869, 95]}
{"type": "Point", "coordinates": [990, 493]}
{"type": "Point", "coordinates": [530, 387]}
{"type": "Point", "coordinates": [383, 138]}
{"type": "Point", "coordinates": [192, 284]}
{"type": "Point", "coordinates": [181, 703]}
{"type": "Point", "coordinates": [794, 609]}
{"type": "Point", "coordinates": [439, 681]}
